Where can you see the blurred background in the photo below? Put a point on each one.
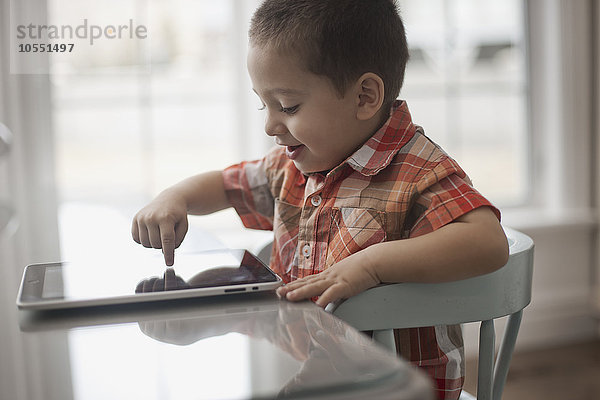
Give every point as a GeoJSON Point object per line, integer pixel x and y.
{"type": "Point", "coordinates": [508, 88]}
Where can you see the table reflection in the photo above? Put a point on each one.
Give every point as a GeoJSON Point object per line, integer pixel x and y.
{"type": "Point", "coordinates": [331, 355]}
{"type": "Point", "coordinates": [248, 346]}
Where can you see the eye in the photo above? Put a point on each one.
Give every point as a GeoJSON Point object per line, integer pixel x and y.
{"type": "Point", "coordinates": [290, 110]}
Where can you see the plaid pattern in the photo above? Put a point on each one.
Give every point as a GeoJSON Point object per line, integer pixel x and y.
{"type": "Point", "coordinates": [398, 185]}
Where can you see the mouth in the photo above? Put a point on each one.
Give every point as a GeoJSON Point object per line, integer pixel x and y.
{"type": "Point", "coordinates": [293, 152]}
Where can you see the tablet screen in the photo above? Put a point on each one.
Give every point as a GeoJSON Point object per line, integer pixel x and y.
{"type": "Point", "coordinates": [231, 270]}
{"type": "Point", "coordinates": [237, 267]}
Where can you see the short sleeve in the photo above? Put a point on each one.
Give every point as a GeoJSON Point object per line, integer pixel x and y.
{"type": "Point", "coordinates": [247, 189]}
{"type": "Point", "coordinates": [443, 195]}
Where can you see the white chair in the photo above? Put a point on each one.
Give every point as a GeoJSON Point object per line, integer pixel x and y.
{"type": "Point", "coordinates": [506, 291]}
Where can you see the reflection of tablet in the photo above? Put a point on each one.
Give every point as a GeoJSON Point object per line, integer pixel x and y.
{"type": "Point", "coordinates": [69, 285]}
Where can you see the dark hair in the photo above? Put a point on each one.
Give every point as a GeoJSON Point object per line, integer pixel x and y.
{"type": "Point", "coordinates": [339, 39]}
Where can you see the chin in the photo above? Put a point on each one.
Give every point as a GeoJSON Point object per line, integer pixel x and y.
{"type": "Point", "coordinates": [303, 170]}
{"type": "Point", "coordinates": [306, 170]}
{"type": "Point", "coordinates": [302, 167]}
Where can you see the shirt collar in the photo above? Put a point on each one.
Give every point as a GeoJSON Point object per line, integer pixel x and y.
{"type": "Point", "coordinates": [377, 152]}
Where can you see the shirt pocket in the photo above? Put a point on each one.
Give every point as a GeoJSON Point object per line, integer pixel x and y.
{"type": "Point", "coordinates": [354, 229]}
{"type": "Point", "coordinates": [284, 258]}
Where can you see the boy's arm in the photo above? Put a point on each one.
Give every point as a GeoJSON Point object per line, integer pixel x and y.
{"type": "Point", "coordinates": [162, 224]}
{"type": "Point", "coordinates": [472, 245]}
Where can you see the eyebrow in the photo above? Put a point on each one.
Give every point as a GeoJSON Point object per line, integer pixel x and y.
{"type": "Point", "coordinates": [284, 91]}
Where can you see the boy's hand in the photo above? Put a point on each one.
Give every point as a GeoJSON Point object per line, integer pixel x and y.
{"type": "Point", "coordinates": [345, 279]}
{"type": "Point", "coordinates": [162, 224]}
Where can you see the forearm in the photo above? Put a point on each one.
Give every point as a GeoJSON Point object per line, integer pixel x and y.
{"type": "Point", "coordinates": [473, 245]}
{"type": "Point", "coordinates": [203, 193]}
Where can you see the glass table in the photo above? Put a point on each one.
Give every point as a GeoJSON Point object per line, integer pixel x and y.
{"type": "Point", "coordinates": [252, 346]}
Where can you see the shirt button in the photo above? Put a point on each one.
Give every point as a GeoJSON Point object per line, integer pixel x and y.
{"type": "Point", "coordinates": [306, 250]}
{"type": "Point", "coordinates": [316, 200]}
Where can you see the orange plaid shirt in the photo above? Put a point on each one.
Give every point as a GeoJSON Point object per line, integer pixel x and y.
{"type": "Point", "coordinates": [398, 185]}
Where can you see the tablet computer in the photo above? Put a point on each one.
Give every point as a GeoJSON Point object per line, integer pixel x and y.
{"type": "Point", "coordinates": [80, 284]}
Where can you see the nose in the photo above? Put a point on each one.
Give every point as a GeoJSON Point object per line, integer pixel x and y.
{"type": "Point", "coordinates": [273, 125]}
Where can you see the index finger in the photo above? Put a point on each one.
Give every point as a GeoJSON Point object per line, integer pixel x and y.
{"type": "Point", "coordinates": [167, 239]}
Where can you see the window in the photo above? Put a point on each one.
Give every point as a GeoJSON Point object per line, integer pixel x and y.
{"type": "Point", "coordinates": [132, 117]}
{"type": "Point", "coordinates": [466, 85]}
{"type": "Point", "coordinates": [141, 115]}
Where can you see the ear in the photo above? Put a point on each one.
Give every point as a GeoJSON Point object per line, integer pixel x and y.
{"type": "Point", "coordinates": [370, 95]}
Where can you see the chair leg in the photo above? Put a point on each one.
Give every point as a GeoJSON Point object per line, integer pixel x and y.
{"type": "Point", "coordinates": [386, 338]}
{"type": "Point", "coordinates": [486, 360]}
{"type": "Point", "coordinates": [505, 353]}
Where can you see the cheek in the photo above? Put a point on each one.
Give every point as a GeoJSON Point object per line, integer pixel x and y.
{"type": "Point", "coordinates": [322, 128]}
{"type": "Point", "coordinates": [320, 121]}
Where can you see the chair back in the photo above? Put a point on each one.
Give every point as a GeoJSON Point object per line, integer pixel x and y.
{"type": "Point", "coordinates": [504, 292]}
{"type": "Point", "coordinates": [408, 305]}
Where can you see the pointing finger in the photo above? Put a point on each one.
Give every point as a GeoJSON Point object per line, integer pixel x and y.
{"type": "Point", "coordinates": [167, 239]}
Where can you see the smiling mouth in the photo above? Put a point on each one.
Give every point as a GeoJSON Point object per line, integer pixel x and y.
{"type": "Point", "coordinates": [293, 151]}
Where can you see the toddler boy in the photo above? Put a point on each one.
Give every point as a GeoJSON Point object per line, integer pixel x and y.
{"type": "Point", "coordinates": [355, 193]}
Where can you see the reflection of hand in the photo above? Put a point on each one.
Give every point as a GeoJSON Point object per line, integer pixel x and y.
{"type": "Point", "coordinates": [186, 331]}
{"type": "Point", "coordinates": [221, 276]}
{"type": "Point", "coordinates": [169, 281]}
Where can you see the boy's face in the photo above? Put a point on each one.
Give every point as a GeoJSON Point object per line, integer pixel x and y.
{"type": "Point", "coordinates": [304, 112]}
